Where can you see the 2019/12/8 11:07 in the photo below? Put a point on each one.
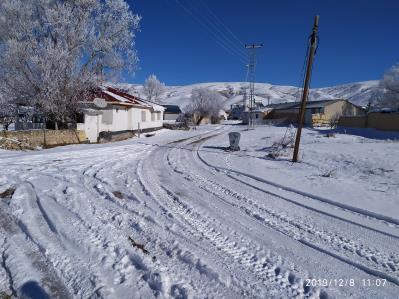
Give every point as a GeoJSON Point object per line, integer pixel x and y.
{"type": "Point", "coordinates": [343, 282]}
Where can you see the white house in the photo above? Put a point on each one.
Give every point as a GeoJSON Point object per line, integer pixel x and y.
{"type": "Point", "coordinates": [115, 112]}
{"type": "Point", "coordinates": [171, 113]}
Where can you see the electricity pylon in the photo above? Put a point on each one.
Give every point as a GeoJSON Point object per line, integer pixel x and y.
{"type": "Point", "coordinates": [251, 69]}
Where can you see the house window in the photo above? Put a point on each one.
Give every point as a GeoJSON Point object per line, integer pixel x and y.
{"type": "Point", "coordinates": [80, 118]}
{"type": "Point", "coordinates": [316, 110]}
{"type": "Point", "coordinates": [152, 116]}
{"type": "Point", "coordinates": [159, 116]}
{"type": "Point", "coordinates": [256, 115]}
{"type": "Point", "coordinates": [107, 117]}
{"type": "Point", "coordinates": [143, 116]}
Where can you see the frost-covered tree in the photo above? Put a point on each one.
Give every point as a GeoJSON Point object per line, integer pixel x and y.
{"type": "Point", "coordinates": [390, 86]}
{"type": "Point", "coordinates": [54, 52]}
{"type": "Point", "coordinates": [8, 112]}
{"type": "Point", "coordinates": [153, 88]}
{"type": "Point", "coordinates": [230, 90]}
{"type": "Point", "coordinates": [204, 103]}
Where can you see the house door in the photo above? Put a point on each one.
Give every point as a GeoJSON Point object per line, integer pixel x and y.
{"type": "Point", "coordinates": [308, 117]}
{"type": "Point", "coordinates": [91, 127]}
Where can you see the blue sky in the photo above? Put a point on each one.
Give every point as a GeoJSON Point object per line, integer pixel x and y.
{"type": "Point", "coordinates": [358, 40]}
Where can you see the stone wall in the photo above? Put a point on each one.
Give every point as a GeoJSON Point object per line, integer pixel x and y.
{"type": "Point", "coordinates": [108, 136]}
{"type": "Point", "coordinates": [46, 138]}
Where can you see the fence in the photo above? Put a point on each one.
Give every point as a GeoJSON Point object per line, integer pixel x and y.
{"type": "Point", "coordinates": [19, 126]}
{"type": "Point", "coordinates": [376, 120]}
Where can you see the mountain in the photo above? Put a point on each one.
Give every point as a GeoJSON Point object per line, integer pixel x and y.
{"type": "Point", "coordinates": [359, 93]}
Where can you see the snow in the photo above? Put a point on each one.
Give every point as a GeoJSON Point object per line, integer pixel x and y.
{"type": "Point", "coordinates": [117, 97]}
{"type": "Point", "coordinates": [176, 215]}
{"type": "Point", "coordinates": [359, 93]}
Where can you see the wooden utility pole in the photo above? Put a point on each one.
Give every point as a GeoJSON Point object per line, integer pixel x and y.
{"type": "Point", "coordinates": [312, 50]}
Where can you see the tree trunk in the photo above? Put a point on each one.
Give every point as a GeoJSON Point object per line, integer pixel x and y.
{"type": "Point", "coordinates": [199, 120]}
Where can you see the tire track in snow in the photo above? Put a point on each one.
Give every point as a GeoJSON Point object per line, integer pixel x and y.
{"type": "Point", "coordinates": [101, 210]}
{"type": "Point", "coordinates": [388, 221]}
{"type": "Point", "coordinates": [155, 276]}
{"type": "Point", "coordinates": [25, 261]}
{"type": "Point", "coordinates": [182, 225]}
{"type": "Point", "coordinates": [86, 234]}
{"type": "Point", "coordinates": [264, 268]}
{"type": "Point", "coordinates": [6, 269]}
{"type": "Point", "coordinates": [201, 227]}
{"type": "Point", "coordinates": [70, 265]}
{"type": "Point", "coordinates": [378, 263]}
{"type": "Point", "coordinates": [299, 230]}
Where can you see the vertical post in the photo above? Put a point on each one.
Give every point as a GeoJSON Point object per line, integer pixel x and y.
{"type": "Point", "coordinates": [44, 133]}
{"type": "Point", "coordinates": [138, 129]}
{"type": "Point", "coordinates": [312, 50]}
{"type": "Point", "coordinates": [98, 127]}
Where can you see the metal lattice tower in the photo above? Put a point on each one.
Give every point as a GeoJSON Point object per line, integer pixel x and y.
{"type": "Point", "coordinates": [251, 74]}
{"type": "Point", "coordinates": [245, 97]}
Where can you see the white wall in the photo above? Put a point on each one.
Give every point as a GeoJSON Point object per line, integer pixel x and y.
{"type": "Point", "coordinates": [148, 123]}
{"type": "Point", "coordinates": [171, 116]}
{"type": "Point", "coordinates": [122, 120]}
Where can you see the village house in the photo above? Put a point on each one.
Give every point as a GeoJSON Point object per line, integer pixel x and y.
{"type": "Point", "coordinates": [113, 115]}
{"type": "Point", "coordinates": [171, 113]}
{"type": "Point", "coordinates": [236, 111]}
{"type": "Point", "coordinates": [318, 113]}
{"type": "Point", "coordinates": [258, 115]}
{"type": "Point", "coordinates": [205, 120]}
{"type": "Point", "coordinates": [241, 111]}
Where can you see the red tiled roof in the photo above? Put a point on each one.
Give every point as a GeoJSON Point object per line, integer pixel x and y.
{"type": "Point", "coordinates": [115, 96]}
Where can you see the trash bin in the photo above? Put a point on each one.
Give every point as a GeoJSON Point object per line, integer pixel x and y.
{"type": "Point", "coordinates": [234, 138]}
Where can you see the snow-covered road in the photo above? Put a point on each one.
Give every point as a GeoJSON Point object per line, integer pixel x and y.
{"type": "Point", "coordinates": [176, 216]}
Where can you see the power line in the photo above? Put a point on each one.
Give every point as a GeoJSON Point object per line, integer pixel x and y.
{"type": "Point", "coordinates": [209, 20]}
{"type": "Point", "coordinates": [214, 31]}
{"type": "Point", "coordinates": [222, 23]}
{"type": "Point", "coordinates": [221, 42]}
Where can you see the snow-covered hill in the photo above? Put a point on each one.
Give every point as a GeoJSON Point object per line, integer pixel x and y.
{"type": "Point", "coordinates": [359, 93]}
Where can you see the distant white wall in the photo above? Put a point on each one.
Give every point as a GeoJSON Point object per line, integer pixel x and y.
{"type": "Point", "coordinates": [171, 116]}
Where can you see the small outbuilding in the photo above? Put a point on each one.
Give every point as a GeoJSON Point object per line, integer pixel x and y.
{"type": "Point", "coordinates": [258, 115]}
{"type": "Point", "coordinates": [236, 111]}
{"type": "Point", "coordinates": [172, 112]}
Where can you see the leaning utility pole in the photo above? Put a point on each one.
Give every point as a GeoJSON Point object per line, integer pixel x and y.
{"type": "Point", "coordinates": [312, 50]}
{"type": "Point", "coordinates": [251, 67]}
